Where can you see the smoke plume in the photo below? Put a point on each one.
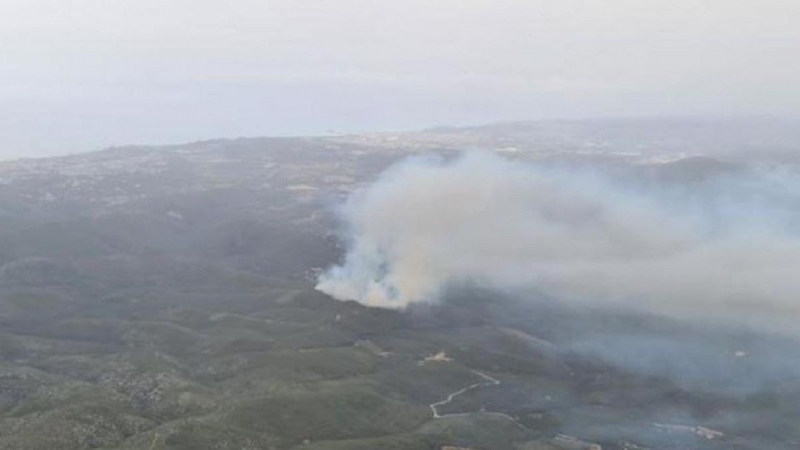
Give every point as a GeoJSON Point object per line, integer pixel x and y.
{"type": "Point", "coordinates": [724, 245]}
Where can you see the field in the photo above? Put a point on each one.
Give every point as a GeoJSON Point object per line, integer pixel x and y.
{"type": "Point", "coordinates": [157, 298]}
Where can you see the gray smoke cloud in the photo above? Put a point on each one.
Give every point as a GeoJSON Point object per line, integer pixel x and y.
{"type": "Point", "coordinates": [727, 245]}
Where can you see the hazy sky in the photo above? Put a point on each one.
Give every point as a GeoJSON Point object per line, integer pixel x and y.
{"type": "Point", "coordinates": [84, 74]}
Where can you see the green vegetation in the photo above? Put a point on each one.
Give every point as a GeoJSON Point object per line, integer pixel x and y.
{"type": "Point", "coordinates": [165, 301]}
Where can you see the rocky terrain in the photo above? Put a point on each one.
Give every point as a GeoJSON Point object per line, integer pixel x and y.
{"type": "Point", "coordinates": [163, 298]}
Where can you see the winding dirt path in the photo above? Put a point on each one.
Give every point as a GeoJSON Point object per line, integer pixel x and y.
{"type": "Point", "coordinates": [489, 381]}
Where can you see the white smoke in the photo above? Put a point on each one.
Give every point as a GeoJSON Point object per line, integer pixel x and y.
{"type": "Point", "coordinates": [571, 234]}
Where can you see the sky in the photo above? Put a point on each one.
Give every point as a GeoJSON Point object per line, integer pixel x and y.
{"type": "Point", "coordinates": [86, 74]}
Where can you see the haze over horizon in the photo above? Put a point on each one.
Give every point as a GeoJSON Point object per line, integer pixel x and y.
{"type": "Point", "coordinates": [406, 225]}
{"type": "Point", "coordinates": [111, 73]}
